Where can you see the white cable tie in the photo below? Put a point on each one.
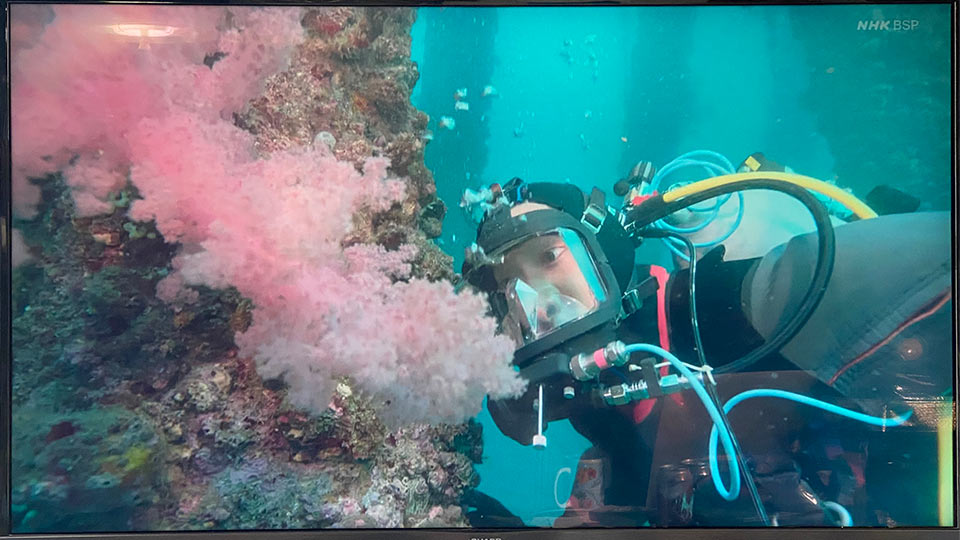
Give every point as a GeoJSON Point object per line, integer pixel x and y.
{"type": "Point", "coordinates": [709, 371]}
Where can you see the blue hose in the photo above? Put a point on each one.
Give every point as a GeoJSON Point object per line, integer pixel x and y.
{"type": "Point", "coordinates": [846, 520]}
{"type": "Point", "coordinates": [708, 154]}
{"type": "Point", "coordinates": [719, 432]}
{"type": "Point", "coordinates": [681, 163]}
{"type": "Point", "coordinates": [673, 244]}
{"type": "Point", "coordinates": [685, 161]}
{"type": "Point", "coordinates": [714, 415]}
{"type": "Point", "coordinates": [799, 398]}
{"type": "Point", "coordinates": [712, 169]}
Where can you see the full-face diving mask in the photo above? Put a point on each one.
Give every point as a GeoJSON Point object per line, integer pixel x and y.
{"type": "Point", "coordinates": [545, 270]}
{"type": "Point", "coordinates": [544, 281]}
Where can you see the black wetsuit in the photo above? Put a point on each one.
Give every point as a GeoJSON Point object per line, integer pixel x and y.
{"type": "Point", "coordinates": [883, 333]}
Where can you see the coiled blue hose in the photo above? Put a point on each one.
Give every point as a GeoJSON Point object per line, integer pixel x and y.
{"type": "Point", "coordinates": [688, 160]}
{"type": "Point", "coordinates": [733, 228]}
{"type": "Point", "coordinates": [711, 170]}
{"type": "Point", "coordinates": [724, 162]}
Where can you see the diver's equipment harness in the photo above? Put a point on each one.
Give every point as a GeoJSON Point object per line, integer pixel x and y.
{"type": "Point", "coordinates": [641, 216]}
{"type": "Point", "coordinates": [641, 212]}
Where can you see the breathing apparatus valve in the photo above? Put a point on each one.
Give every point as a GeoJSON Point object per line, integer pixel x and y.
{"type": "Point", "coordinates": [622, 394]}
{"type": "Point", "coordinates": [586, 366]}
{"type": "Point", "coordinates": [484, 201]}
{"type": "Point", "coordinates": [650, 385]}
{"type": "Point", "coordinates": [642, 172]}
{"type": "Point", "coordinates": [487, 195]}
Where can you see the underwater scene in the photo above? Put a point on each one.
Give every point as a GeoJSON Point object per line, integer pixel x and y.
{"type": "Point", "coordinates": [464, 267]}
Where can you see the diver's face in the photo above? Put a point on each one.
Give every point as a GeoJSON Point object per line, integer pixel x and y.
{"type": "Point", "coordinates": [543, 261]}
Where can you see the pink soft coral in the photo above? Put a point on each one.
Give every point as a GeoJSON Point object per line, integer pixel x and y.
{"type": "Point", "coordinates": [102, 108]}
{"type": "Point", "coordinates": [275, 233]}
{"type": "Point", "coordinates": [80, 86]}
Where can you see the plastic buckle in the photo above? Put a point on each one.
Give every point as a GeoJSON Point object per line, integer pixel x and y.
{"type": "Point", "coordinates": [630, 303]}
{"type": "Point", "coordinates": [593, 218]}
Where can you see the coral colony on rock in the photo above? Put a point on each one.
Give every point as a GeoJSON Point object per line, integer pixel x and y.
{"type": "Point", "coordinates": [228, 312]}
{"type": "Point", "coordinates": [233, 299]}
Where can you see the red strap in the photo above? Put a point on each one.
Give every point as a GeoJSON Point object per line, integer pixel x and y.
{"type": "Point", "coordinates": [642, 408]}
{"type": "Point", "coordinates": [662, 276]}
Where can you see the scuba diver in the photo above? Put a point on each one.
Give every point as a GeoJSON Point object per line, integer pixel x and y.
{"type": "Point", "coordinates": [840, 327]}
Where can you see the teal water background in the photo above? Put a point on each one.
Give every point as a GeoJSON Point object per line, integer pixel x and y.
{"type": "Point", "coordinates": [583, 93]}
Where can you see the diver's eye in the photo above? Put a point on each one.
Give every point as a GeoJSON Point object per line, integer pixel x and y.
{"type": "Point", "coordinates": [552, 255]}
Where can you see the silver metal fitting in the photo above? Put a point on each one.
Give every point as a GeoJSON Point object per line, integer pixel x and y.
{"type": "Point", "coordinates": [584, 366]}
{"type": "Point", "coordinates": [616, 353]}
{"type": "Point", "coordinates": [569, 392]}
{"type": "Point", "coordinates": [622, 394]}
{"type": "Point", "coordinates": [638, 391]}
{"type": "Point", "coordinates": [616, 395]}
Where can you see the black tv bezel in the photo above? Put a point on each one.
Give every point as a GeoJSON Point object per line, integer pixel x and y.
{"type": "Point", "coordinates": [781, 533]}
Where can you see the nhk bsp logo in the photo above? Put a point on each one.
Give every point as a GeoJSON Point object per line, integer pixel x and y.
{"type": "Point", "coordinates": [888, 25]}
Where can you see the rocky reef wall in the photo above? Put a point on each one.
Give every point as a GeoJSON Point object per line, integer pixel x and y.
{"type": "Point", "coordinates": [133, 412]}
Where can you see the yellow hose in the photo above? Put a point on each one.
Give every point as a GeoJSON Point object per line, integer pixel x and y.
{"type": "Point", "coordinates": [855, 205]}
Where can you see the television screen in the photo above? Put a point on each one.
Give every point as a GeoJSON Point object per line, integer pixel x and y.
{"type": "Point", "coordinates": [479, 268]}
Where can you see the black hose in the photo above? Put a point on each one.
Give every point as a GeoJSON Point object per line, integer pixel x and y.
{"type": "Point", "coordinates": [826, 253]}
{"type": "Point", "coordinates": [711, 389]}
{"type": "Point", "coordinates": [691, 248]}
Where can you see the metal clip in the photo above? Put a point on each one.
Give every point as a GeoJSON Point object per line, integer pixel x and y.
{"type": "Point", "coordinates": [593, 217]}
{"type": "Point", "coordinates": [630, 303]}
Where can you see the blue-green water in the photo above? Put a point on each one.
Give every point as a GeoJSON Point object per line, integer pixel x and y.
{"type": "Point", "coordinates": [583, 94]}
{"type": "Point", "coordinates": [137, 405]}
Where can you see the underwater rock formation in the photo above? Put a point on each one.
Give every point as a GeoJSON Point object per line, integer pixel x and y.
{"type": "Point", "coordinates": [91, 470]}
{"type": "Point", "coordinates": [126, 341]}
{"type": "Point", "coordinates": [261, 495]}
{"type": "Point", "coordinates": [348, 87]}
